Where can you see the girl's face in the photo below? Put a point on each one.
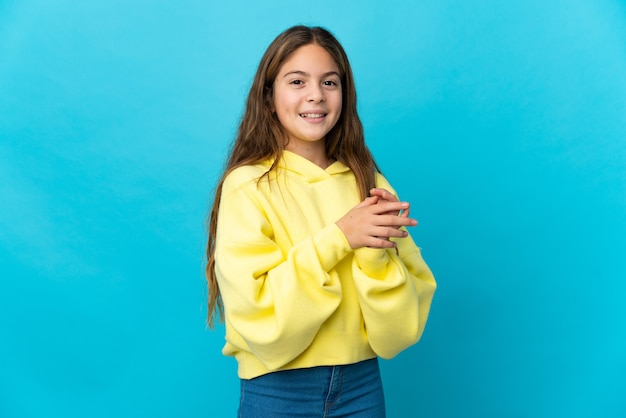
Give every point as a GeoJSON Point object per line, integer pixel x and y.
{"type": "Point", "coordinates": [307, 97]}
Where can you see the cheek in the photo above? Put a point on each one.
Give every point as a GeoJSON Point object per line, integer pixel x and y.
{"type": "Point", "coordinates": [284, 102]}
{"type": "Point", "coordinates": [338, 100]}
{"type": "Point", "coordinates": [338, 104]}
{"type": "Point", "coordinates": [282, 111]}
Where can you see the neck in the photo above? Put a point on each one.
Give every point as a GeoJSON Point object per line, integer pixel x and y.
{"type": "Point", "coordinates": [314, 152]}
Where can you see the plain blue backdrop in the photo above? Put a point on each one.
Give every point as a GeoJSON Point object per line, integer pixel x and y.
{"type": "Point", "coordinates": [504, 123]}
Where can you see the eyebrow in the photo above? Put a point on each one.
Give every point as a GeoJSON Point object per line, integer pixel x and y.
{"type": "Point", "coordinates": [305, 74]}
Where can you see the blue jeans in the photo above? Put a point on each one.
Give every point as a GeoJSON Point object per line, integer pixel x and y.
{"type": "Point", "coordinates": [353, 390]}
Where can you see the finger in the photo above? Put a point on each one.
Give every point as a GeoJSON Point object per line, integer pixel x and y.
{"type": "Point", "coordinates": [383, 193]}
{"type": "Point", "coordinates": [377, 242]}
{"type": "Point", "coordinates": [368, 201]}
{"type": "Point", "coordinates": [383, 207]}
{"type": "Point", "coordinates": [395, 221]}
{"type": "Point", "coordinates": [388, 232]}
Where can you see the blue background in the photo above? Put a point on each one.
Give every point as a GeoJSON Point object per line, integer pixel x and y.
{"type": "Point", "coordinates": [504, 123]}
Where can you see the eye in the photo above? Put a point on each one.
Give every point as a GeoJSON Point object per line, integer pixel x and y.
{"type": "Point", "coordinates": [330, 83]}
{"type": "Point", "coordinates": [297, 82]}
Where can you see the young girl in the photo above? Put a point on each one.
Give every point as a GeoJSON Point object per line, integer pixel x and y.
{"type": "Point", "coordinates": [309, 260]}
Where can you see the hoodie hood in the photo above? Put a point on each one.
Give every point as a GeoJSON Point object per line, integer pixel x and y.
{"type": "Point", "coordinates": [311, 172]}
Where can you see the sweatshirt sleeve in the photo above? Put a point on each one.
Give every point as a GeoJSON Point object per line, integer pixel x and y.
{"type": "Point", "coordinates": [395, 291]}
{"type": "Point", "coordinates": [275, 299]}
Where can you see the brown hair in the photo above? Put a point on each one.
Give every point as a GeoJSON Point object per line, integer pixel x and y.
{"type": "Point", "coordinates": [260, 136]}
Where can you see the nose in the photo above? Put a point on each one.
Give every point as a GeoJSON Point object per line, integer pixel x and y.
{"type": "Point", "coordinates": [316, 94]}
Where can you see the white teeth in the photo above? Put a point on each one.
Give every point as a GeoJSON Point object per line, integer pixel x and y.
{"type": "Point", "coordinates": [312, 115]}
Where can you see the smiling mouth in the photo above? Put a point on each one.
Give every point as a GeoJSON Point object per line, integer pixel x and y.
{"type": "Point", "coordinates": [312, 115]}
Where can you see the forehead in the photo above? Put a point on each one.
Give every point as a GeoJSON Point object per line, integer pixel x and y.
{"type": "Point", "coordinates": [311, 59]}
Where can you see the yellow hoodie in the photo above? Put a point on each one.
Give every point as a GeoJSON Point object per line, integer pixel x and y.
{"type": "Point", "coordinates": [295, 294]}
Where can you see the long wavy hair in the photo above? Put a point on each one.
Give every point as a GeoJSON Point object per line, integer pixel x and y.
{"type": "Point", "coordinates": [260, 136]}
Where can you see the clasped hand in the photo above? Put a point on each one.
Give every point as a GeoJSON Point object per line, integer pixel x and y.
{"type": "Point", "coordinates": [376, 219]}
